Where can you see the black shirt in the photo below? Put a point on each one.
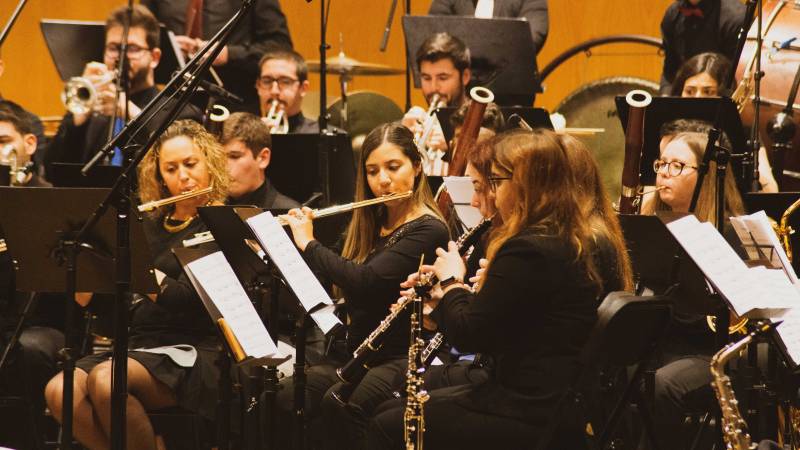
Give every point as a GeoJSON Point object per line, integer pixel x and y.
{"type": "Point", "coordinates": [264, 28]}
{"type": "Point", "coordinates": [266, 197]}
{"type": "Point", "coordinates": [371, 287]}
{"type": "Point", "coordinates": [687, 36]}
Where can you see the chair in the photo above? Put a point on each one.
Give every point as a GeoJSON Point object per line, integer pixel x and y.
{"type": "Point", "coordinates": [627, 330]}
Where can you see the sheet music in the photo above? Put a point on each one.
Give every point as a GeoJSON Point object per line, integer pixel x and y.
{"type": "Point", "coordinates": [789, 332]}
{"type": "Point", "coordinates": [214, 278]}
{"type": "Point", "coordinates": [461, 190]}
{"type": "Point", "coordinates": [763, 235]}
{"type": "Point", "coordinates": [750, 292]}
{"type": "Point", "coordinates": [295, 271]}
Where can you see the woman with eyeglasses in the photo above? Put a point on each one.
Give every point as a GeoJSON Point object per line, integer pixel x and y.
{"type": "Point", "coordinates": [682, 380]}
{"type": "Point", "coordinates": [702, 76]}
{"type": "Point", "coordinates": [533, 310]}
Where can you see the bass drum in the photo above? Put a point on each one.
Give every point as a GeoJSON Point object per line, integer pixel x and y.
{"type": "Point", "coordinates": [781, 22]}
{"type": "Point", "coordinates": [592, 106]}
{"type": "Point", "coordinates": [365, 111]}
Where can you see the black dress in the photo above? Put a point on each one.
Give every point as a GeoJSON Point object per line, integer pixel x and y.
{"type": "Point", "coordinates": [177, 317]}
{"type": "Point", "coordinates": [370, 288]}
{"type": "Point", "coordinates": [533, 316]}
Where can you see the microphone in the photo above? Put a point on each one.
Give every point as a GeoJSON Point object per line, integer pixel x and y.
{"type": "Point", "coordinates": [388, 29]}
{"type": "Point", "coordinates": [217, 91]}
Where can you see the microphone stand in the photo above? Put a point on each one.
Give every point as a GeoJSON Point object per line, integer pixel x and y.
{"type": "Point", "coordinates": [408, 66]}
{"type": "Point", "coordinates": [180, 89]}
{"type": "Point", "coordinates": [755, 139]}
{"type": "Point", "coordinates": [11, 20]}
{"type": "Point", "coordinates": [324, 132]}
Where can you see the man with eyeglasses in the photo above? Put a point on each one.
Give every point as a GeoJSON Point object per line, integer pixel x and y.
{"type": "Point", "coordinates": [80, 135]}
{"type": "Point", "coordinates": [283, 78]}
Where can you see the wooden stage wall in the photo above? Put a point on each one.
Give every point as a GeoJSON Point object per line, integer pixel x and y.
{"type": "Point", "coordinates": [31, 79]}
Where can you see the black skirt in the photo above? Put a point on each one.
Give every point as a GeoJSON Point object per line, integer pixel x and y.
{"type": "Point", "coordinates": [196, 388]}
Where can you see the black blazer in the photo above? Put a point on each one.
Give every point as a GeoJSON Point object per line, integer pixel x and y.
{"type": "Point", "coordinates": [535, 11]}
{"type": "Point", "coordinates": [533, 316]}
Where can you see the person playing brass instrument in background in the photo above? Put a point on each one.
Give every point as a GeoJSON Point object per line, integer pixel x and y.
{"type": "Point", "coordinates": [173, 343]}
{"type": "Point", "coordinates": [443, 62]}
{"type": "Point", "coordinates": [382, 245]}
{"type": "Point", "coordinates": [83, 133]}
{"type": "Point", "coordinates": [281, 85]}
{"type": "Point", "coordinates": [534, 308]}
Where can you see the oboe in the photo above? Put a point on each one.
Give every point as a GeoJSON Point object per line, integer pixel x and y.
{"type": "Point", "coordinates": [355, 369]}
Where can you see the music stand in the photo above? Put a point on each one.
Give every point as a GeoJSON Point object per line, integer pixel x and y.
{"type": "Point", "coordinates": [69, 175]}
{"type": "Point", "coordinates": [74, 43]}
{"type": "Point", "coordinates": [509, 70]}
{"type": "Point", "coordinates": [295, 170]}
{"type": "Point", "coordinates": [665, 109]}
{"type": "Point", "coordinates": [775, 204]}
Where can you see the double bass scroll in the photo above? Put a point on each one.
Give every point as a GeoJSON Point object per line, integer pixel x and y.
{"type": "Point", "coordinates": [634, 143]}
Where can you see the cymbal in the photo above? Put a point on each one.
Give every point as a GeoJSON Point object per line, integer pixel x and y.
{"type": "Point", "coordinates": [344, 65]}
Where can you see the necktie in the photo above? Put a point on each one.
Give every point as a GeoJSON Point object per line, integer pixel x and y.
{"type": "Point", "coordinates": [194, 19]}
{"type": "Point", "coordinates": [118, 158]}
{"type": "Point", "coordinates": [484, 9]}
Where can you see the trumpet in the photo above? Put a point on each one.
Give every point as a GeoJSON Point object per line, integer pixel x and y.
{"type": "Point", "coordinates": [429, 124]}
{"type": "Point", "coordinates": [276, 119]}
{"type": "Point", "coordinates": [80, 93]}
{"type": "Point", "coordinates": [202, 238]}
{"type": "Point", "coordinates": [150, 206]}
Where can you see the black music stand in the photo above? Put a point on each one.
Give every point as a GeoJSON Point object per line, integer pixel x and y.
{"type": "Point", "coordinates": [665, 109]}
{"type": "Point", "coordinates": [73, 43]}
{"type": "Point", "coordinates": [48, 260]}
{"type": "Point", "coordinates": [501, 50]}
{"type": "Point", "coordinates": [256, 276]}
{"type": "Point", "coordinates": [296, 170]}
{"type": "Point", "coordinates": [69, 175]}
{"type": "Point", "coordinates": [775, 204]}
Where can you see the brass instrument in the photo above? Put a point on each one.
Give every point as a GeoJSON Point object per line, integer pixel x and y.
{"type": "Point", "coordinates": [80, 93]}
{"type": "Point", "coordinates": [416, 395]}
{"type": "Point", "coordinates": [784, 230]}
{"type": "Point", "coordinates": [744, 90]}
{"type": "Point", "coordinates": [734, 428]}
{"type": "Point", "coordinates": [18, 174]}
{"type": "Point", "coordinates": [276, 119]}
{"type": "Point", "coordinates": [150, 206]}
{"type": "Point", "coordinates": [201, 238]}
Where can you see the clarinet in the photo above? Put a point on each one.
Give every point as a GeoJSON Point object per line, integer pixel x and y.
{"type": "Point", "coordinates": [354, 370]}
{"type": "Point", "coordinates": [416, 395]}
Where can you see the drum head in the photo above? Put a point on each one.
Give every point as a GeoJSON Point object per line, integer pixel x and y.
{"type": "Point", "coordinates": [592, 106]}
{"type": "Point", "coordinates": [365, 111]}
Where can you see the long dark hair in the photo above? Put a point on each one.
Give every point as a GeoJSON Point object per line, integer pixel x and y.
{"type": "Point", "coordinates": [717, 66]}
{"type": "Point", "coordinates": [362, 232]}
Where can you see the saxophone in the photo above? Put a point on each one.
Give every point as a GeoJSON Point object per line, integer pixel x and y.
{"type": "Point", "coordinates": [734, 427]}
{"type": "Point", "coordinates": [355, 369]}
{"type": "Point", "coordinates": [416, 395]}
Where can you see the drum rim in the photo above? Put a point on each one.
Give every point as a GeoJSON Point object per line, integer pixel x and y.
{"type": "Point", "coordinates": [649, 84]}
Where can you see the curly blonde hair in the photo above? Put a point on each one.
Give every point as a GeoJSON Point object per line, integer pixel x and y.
{"type": "Point", "coordinates": [151, 183]}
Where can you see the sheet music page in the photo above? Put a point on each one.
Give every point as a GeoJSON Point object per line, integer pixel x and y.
{"type": "Point", "coordinates": [283, 253]}
{"type": "Point", "coordinates": [743, 288]}
{"type": "Point", "coordinates": [213, 275]}
{"type": "Point", "coordinates": [461, 190]}
{"type": "Point", "coordinates": [760, 227]}
{"type": "Point", "coordinates": [789, 332]}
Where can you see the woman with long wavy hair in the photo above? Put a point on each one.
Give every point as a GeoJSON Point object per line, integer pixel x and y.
{"type": "Point", "coordinates": [533, 311]}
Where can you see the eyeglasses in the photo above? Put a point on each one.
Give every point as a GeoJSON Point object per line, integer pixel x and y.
{"type": "Point", "coordinates": [283, 82]}
{"type": "Point", "coordinates": [133, 51]}
{"type": "Point", "coordinates": [494, 181]}
{"type": "Point", "coordinates": [674, 168]}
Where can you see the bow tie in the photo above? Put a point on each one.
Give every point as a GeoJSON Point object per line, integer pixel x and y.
{"type": "Point", "coordinates": [689, 11]}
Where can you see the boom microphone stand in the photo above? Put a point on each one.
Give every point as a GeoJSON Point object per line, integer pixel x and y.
{"type": "Point", "coordinates": [180, 88]}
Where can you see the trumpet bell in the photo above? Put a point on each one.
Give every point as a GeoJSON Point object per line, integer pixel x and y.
{"type": "Point", "coordinates": [78, 95]}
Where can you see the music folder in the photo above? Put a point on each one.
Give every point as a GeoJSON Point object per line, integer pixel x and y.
{"type": "Point", "coordinates": [229, 306]}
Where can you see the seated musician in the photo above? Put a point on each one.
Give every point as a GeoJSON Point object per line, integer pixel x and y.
{"type": "Point", "coordinates": [81, 134]}
{"type": "Point", "coordinates": [701, 76]}
{"type": "Point", "coordinates": [682, 381]}
{"type": "Point", "coordinates": [35, 360]}
{"type": "Point", "coordinates": [533, 310]}
{"type": "Point", "coordinates": [282, 83]}
{"type": "Point", "coordinates": [382, 244]}
{"type": "Point", "coordinates": [246, 142]}
{"type": "Point", "coordinates": [173, 343]}
{"type": "Point", "coordinates": [443, 62]}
